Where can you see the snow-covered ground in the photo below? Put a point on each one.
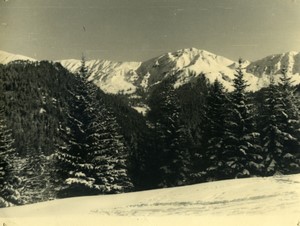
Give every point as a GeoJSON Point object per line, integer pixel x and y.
{"type": "Point", "coordinates": [254, 201]}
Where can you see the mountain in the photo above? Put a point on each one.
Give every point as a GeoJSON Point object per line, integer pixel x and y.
{"type": "Point", "coordinates": [186, 64]}
{"type": "Point", "coordinates": [128, 77]}
{"type": "Point", "coordinates": [273, 201]}
{"type": "Point", "coordinates": [111, 77]}
{"type": "Point", "coordinates": [6, 57]}
{"type": "Point", "coordinates": [134, 78]}
{"type": "Point", "coordinates": [273, 63]}
{"type": "Point", "coordinates": [271, 66]}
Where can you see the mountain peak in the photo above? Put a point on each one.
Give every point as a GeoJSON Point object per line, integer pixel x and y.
{"type": "Point", "coordinates": [273, 64]}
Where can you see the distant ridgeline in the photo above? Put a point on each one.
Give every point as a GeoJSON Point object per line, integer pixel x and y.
{"type": "Point", "coordinates": [61, 136]}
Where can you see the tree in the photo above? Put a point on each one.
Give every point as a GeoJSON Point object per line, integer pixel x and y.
{"type": "Point", "coordinates": [242, 153]}
{"type": "Point", "coordinates": [35, 174]}
{"type": "Point", "coordinates": [74, 169]}
{"type": "Point", "coordinates": [106, 147]}
{"type": "Point", "coordinates": [281, 133]}
{"type": "Point", "coordinates": [8, 194]}
{"type": "Point", "coordinates": [214, 129]}
{"type": "Point", "coordinates": [173, 140]}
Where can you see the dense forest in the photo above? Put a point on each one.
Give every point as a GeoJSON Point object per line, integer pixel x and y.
{"type": "Point", "coordinates": [61, 136]}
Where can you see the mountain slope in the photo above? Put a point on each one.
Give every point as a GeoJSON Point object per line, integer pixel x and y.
{"type": "Point", "coordinates": [255, 197]}
{"type": "Point", "coordinates": [133, 77]}
{"type": "Point", "coordinates": [111, 77]}
{"type": "Point", "coordinates": [186, 64]}
{"type": "Point", "coordinates": [271, 66]}
{"type": "Point", "coordinates": [6, 57]}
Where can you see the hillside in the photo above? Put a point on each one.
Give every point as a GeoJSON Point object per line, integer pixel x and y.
{"type": "Point", "coordinates": [273, 200]}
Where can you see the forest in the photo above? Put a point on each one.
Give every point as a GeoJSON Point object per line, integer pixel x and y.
{"type": "Point", "coordinates": [61, 136]}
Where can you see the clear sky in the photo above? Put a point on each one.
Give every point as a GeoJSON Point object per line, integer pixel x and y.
{"type": "Point", "coordinates": [136, 30]}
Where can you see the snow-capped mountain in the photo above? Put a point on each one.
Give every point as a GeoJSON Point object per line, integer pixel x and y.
{"type": "Point", "coordinates": [111, 77]}
{"type": "Point", "coordinates": [185, 64]}
{"type": "Point", "coordinates": [6, 57]}
{"type": "Point", "coordinates": [272, 65]}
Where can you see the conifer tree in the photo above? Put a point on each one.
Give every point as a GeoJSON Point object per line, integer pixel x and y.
{"type": "Point", "coordinates": [291, 157]}
{"type": "Point", "coordinates": [281, 133]}
{"type": "Point", "coordinates": [74, 169]}
{"type": "Point", "coordinates": [8, 193]}
{"type": "Point", "coordinates": [173, 154]}
{"type": "Point", "coordinates": [107, 151]}
{"type": "Point", "coordinates": [214, 129]}
{"type": "Point", "coordinates": [242, 153]}
{"type": "Point", "coordinates": [35, 177]}
{"type": "Point", "coordinates": [272, 136]}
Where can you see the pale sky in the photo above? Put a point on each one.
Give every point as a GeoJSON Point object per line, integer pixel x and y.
{"type": "Point", "coordinates": [136, 30]}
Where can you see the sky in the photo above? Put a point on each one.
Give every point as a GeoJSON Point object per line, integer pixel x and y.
{"type": "Point", "coordinates": [137, 30]}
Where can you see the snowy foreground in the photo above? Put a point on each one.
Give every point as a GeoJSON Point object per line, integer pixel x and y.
{"type": "Point", "coordinates": [254, 201]}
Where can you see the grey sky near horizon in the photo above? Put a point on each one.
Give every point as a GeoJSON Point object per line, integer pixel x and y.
{"type": "Point", "coordinates": [137, 30]}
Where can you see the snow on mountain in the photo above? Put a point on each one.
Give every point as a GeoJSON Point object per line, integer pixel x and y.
{"type": "Point", "coordinates": [271, 66]}
{"type": "Point", "coordinates": [6, 57]}
{"type": "Point", "coordinates": [111, 77]}
{"type": "Point", "coordinates": [252, 201]}
{"type": "Point", "coordinates": [185, 64]}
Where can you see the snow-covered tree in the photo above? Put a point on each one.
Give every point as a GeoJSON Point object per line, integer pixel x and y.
{"type": "Point", "coordinates": [106, 148]}
{"type": "Point", "coordinates": [35, 177]}
{"type": "Point", "coordinates": [281, 132]}
{"type": "Point", "coordinates": [8, 194]}
{"type": "Point", "coordinates": [214, 130]}
{"type": "Point", "coordinates": [173, 154]}
{"type": "Point", "coordinates": [241, 156]}
{"type": "Point", "coordinates": [71, 154]}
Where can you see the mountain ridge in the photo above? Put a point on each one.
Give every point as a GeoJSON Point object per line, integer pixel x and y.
{"type": "Point", "coordinates": [187, 64]}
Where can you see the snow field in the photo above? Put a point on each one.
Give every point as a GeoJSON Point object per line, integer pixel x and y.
{"type": "Point", "coordinates": [253, 201]}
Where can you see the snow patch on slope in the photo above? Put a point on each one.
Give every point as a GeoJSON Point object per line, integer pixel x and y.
{"type": "Point", "coordinates": [188, 64]}
{"type": "Point", "coordinates": [111, 77]}
{"type": "Point", "coordinates": [271, 65]}
{"type": "Point", "coordinates": [6, 57]}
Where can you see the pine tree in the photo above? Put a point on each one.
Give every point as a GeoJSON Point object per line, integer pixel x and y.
{"type": "Point", "coordinates": [242, 154]}
{"type": "Point", "coordinates": [281, 133]}
{"type": "Point", "coordinates": [214, 129]}
{"type": "Point", "coordinates": [73, 175]}
{"type": "Point", "coordinates": [107, 151]}
{"type": "Point", "coordinates": [8, 194]}
{"type": "Point", "coordinates": [291, 158]}
{"type": "Point", "coordinates": [173, 139]}
{"type": "Point", "coordinates": [35, 177]}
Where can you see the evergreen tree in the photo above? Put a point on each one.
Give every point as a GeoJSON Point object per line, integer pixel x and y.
{"type": "Point", "coordinates": [8, 193]}
{"type": "Point", "coordinates": [107, 151]}
{"type": "Point", "coordinates": [173, 139]}
{"type": "Point", "coordinates": [291, 158]}
{"type": "Point", "coordinates": [74, 168]}
{"type": "Point", "coordinates": [281, 133]}
{"type": "Point", "coordinates": [242, 154]}
{"type": "Point", "coordinates": [214, 129]}
{"type": "Point", "coordinates": [272, 136]}
{"type": "Point", "coordinates": [35, 183]}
